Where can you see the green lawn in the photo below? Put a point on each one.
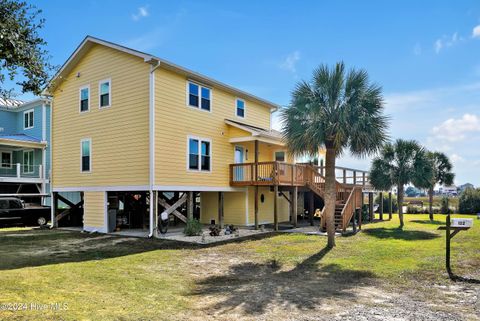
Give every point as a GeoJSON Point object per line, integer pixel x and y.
{"type": "Point", "coordinates": [103, 277]}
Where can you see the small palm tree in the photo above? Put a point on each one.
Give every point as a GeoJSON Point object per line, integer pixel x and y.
{"type": "Point", "coordinates": [401, 163]}
{"type": "Point", "coordinates": [337, 110]}
{"type": "Point", "coordinates": [442, 174]}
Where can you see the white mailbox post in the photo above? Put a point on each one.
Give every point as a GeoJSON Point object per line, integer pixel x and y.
{"type": "Point", "coordinates": [457, 225]}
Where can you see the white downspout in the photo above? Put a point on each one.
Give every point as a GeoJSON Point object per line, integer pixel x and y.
{"type": "Point", "coordinates": [154, 65]}
{"type": "Point", "coordinates": [44, 151]}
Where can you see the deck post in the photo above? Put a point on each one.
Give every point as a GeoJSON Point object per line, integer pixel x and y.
{"type": "Point", "coordinates": [295, 205]}
{"type": "Point", "coordinates": [344, 176]}
{"type": "Point", "coordinates": [370, 206]}
{"type": "Point", "coordinates": [363, 179]}
{"type": "Point", "coordinates": [311, 207]}
{"type": "Point", "coordinates": [190, 204]}
{"type": "Point", "coordinates": [390, 205]}
{"type": "Point", "coordinates": [275, 207]}
{"type": "Point", "coordinates": [354, 177]}
{"type": "Point", "coordinates": [53, 210]}
{"type": "Point", "coordinates": [380, 209]}
{"type": "Point", "coordinates": [154, 201]}
{"type": "Point", "coordinates": [256, 207]}
{"type": "Point", "coordinates": [256, 161]}
{"type": "Point", "coordinates": [220, 209]}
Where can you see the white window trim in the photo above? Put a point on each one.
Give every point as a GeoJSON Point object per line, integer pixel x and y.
{"type": "Point", "coordinates": [284, 153]}
{"type": "Point", "coordinates": [200, 86]}
{"type": "Point", "coordinates": [89, 140]}
{"type": "Point", "coordinates": [80, 99]}
{"type": "Point", "coordinates": [244, 108]}
{"type": "Point", "coordinates": [33, 118]}
{"type": "Point", "coordinates": [200, 140]}
{"type": "Point", "coordinates": [28, 166]}
{"type": "Point", "coordinates": [109, 80]}
{"type": "Point", "coordinates": [11, 159]}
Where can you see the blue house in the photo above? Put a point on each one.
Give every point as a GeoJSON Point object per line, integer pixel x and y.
{"type": "Point", "coordinates": [25, 149]}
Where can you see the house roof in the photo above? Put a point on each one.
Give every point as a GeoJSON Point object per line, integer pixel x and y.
{"type": "Point", "coordinates": [21, 140]}
{"type": "Point", "coordinates": [10, 103]}
{"type": "Point", "coordinates": [17, 105]}
{"type": "Point", "coordinates": [90, 41]}
{"type": "Point", "coordinates": [258, 133]}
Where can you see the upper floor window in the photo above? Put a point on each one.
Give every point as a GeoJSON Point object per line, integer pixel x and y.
{"type": "Point", "coordinates": [240, 105]}
{"type": "Point", "coordinates": [84, 99]}
{"type": "Point", "coordinates": [104, 93]}
{"type": "Point", "coordinates": [199, 154]}
{"type": "Point", "coordinates": [85, 152]}
{"type": "Point", "coordinates": [28, 119]}
{"type": "Point", "coordinates": [199, 96]}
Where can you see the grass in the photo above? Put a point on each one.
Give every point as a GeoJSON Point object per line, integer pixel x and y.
{"type": "Point", "coordinates": [112, 278]}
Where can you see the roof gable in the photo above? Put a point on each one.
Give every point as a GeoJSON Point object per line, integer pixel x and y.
{"type": "Point", "coordinates": [90, 41]}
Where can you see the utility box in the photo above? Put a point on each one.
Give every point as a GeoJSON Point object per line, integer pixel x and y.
{"type": "Point", "coordinates": [462, 222]}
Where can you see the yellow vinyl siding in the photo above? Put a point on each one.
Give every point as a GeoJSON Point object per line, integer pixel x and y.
{"type": "Point", "coordinates": [119, 133]}
{"type": "Point", "coordinates": [234, 208]}
{"type": "Point", "coordinates": [175, 121]}
{"type": "Point", "coordinates": [94, 209]}
{"type": "Point", "coordinates": [265, 209]}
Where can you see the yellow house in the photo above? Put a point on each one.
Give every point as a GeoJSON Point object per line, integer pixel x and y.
{"type": "Point", "coordinates": [137, 136]}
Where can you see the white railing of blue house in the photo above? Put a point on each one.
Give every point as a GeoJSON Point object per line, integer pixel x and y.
{"type": "Point", "coordinates": [21, 171]}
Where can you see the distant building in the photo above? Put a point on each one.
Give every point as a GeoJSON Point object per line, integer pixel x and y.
{"type": "Point", "coordinates": [463, 187]}
{"type": "Point", "coordinates": [448, 190]}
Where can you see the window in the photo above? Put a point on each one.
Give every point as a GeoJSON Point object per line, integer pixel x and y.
{"type": "Point", "coordinates": [28, 161]}
{"type": "Point", "coordinates": [85, 151]}
{"type": "Point", "coordinates": [28, 119]}
{"type": "Point", "coordinates": [280, 156]}
{"type": "Point", "coordinates": [6, 160]}
{"type": "Point", "coordinates": [199, 96]}
{"type": "Point", "coordinates": [14, 204]}
{"type": "Point", "coordinates": [199, 155]}
{"type": "Point", "coordinates": [84, 99]}
{"type": "Point", "coordinates": [240, 108]}
{"type": "Point", "coordinates": [104, 93]}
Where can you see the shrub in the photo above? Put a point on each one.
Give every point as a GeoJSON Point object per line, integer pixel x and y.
{"type": "Point", "coordinates": [193, 228]}
{"type": "Point", "coordinates": [445, 209]}
{"type": "Point", "coordinates": [412, 209]}
{"type": "Point", "coordinates": [385, 203]}
{"type": "Point", "coordinates": [364, 213]}
{"type": "Point", "coordinates": [469, 202]}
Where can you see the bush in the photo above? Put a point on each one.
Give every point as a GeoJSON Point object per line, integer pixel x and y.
{"type": "Point", "coordinates": [364, 213]}
{"type": "Point", "coordinates": [385, 203]}
{"type": "Point", "coordinates": [412, 209]}
{"type": "Point", "coordinates": [469, 202]}
{"type": "Point", "coordinates": [193, 228]}
{"type": "Point", "coordinates": [445, 209]}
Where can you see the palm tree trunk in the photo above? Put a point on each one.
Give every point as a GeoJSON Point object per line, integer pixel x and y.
{"type": "Point", "coordinates": [400, 203]}
{"type": "Point", "coordinates": [430, 199]}
{"type": "Point", "coordinates": [330, 195]}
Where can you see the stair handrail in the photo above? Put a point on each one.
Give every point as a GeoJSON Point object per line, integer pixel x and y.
{"type": "Point", "coordinates": [347, 208]}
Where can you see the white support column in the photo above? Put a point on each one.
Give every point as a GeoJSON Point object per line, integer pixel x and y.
{"type": "Point", "coordinates": [18, 170]}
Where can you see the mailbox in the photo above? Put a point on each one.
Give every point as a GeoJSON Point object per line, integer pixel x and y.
{"type": "Point", "coordinates": [462, 222]}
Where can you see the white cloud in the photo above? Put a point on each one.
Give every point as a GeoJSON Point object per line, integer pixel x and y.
{"type": "Point", "coordinates": [455, 130]}
{"type": "Point", "coordinates": [476, 32]}
{"type": "Point", "coordinates": [142, 12]}
{"type": "Point", "coordinates": [417, 50]}
{"type": "Point", "coordinates": [447, 41]}
{"type": "Point", "coordinates": [455, 158]}
{"type": "Point", "coordinates": [290, 62]}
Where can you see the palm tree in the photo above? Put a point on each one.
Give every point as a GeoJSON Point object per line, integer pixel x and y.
{"type": "Point", "coordinates": [339, 111]}
{"type": "Point", "coordinates": [442, 174]}
{"type": "Point", "coordinates": [401, 163]}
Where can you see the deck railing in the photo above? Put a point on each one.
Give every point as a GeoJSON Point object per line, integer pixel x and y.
{"type": "Point", "coordinates": [267, 173]}
{"type": "Point", "coordinates": [21, 171]}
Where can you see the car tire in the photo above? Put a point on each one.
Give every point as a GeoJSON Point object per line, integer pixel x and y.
{"type": "Point", "coordinates": [41, 220]}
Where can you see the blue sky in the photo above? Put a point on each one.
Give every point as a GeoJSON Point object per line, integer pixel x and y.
{"type": "Point", "coordinates": [425, 54]}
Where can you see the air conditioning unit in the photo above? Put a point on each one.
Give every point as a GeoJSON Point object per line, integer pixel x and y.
{"type": "Point", "coordinates": [462, 222]}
